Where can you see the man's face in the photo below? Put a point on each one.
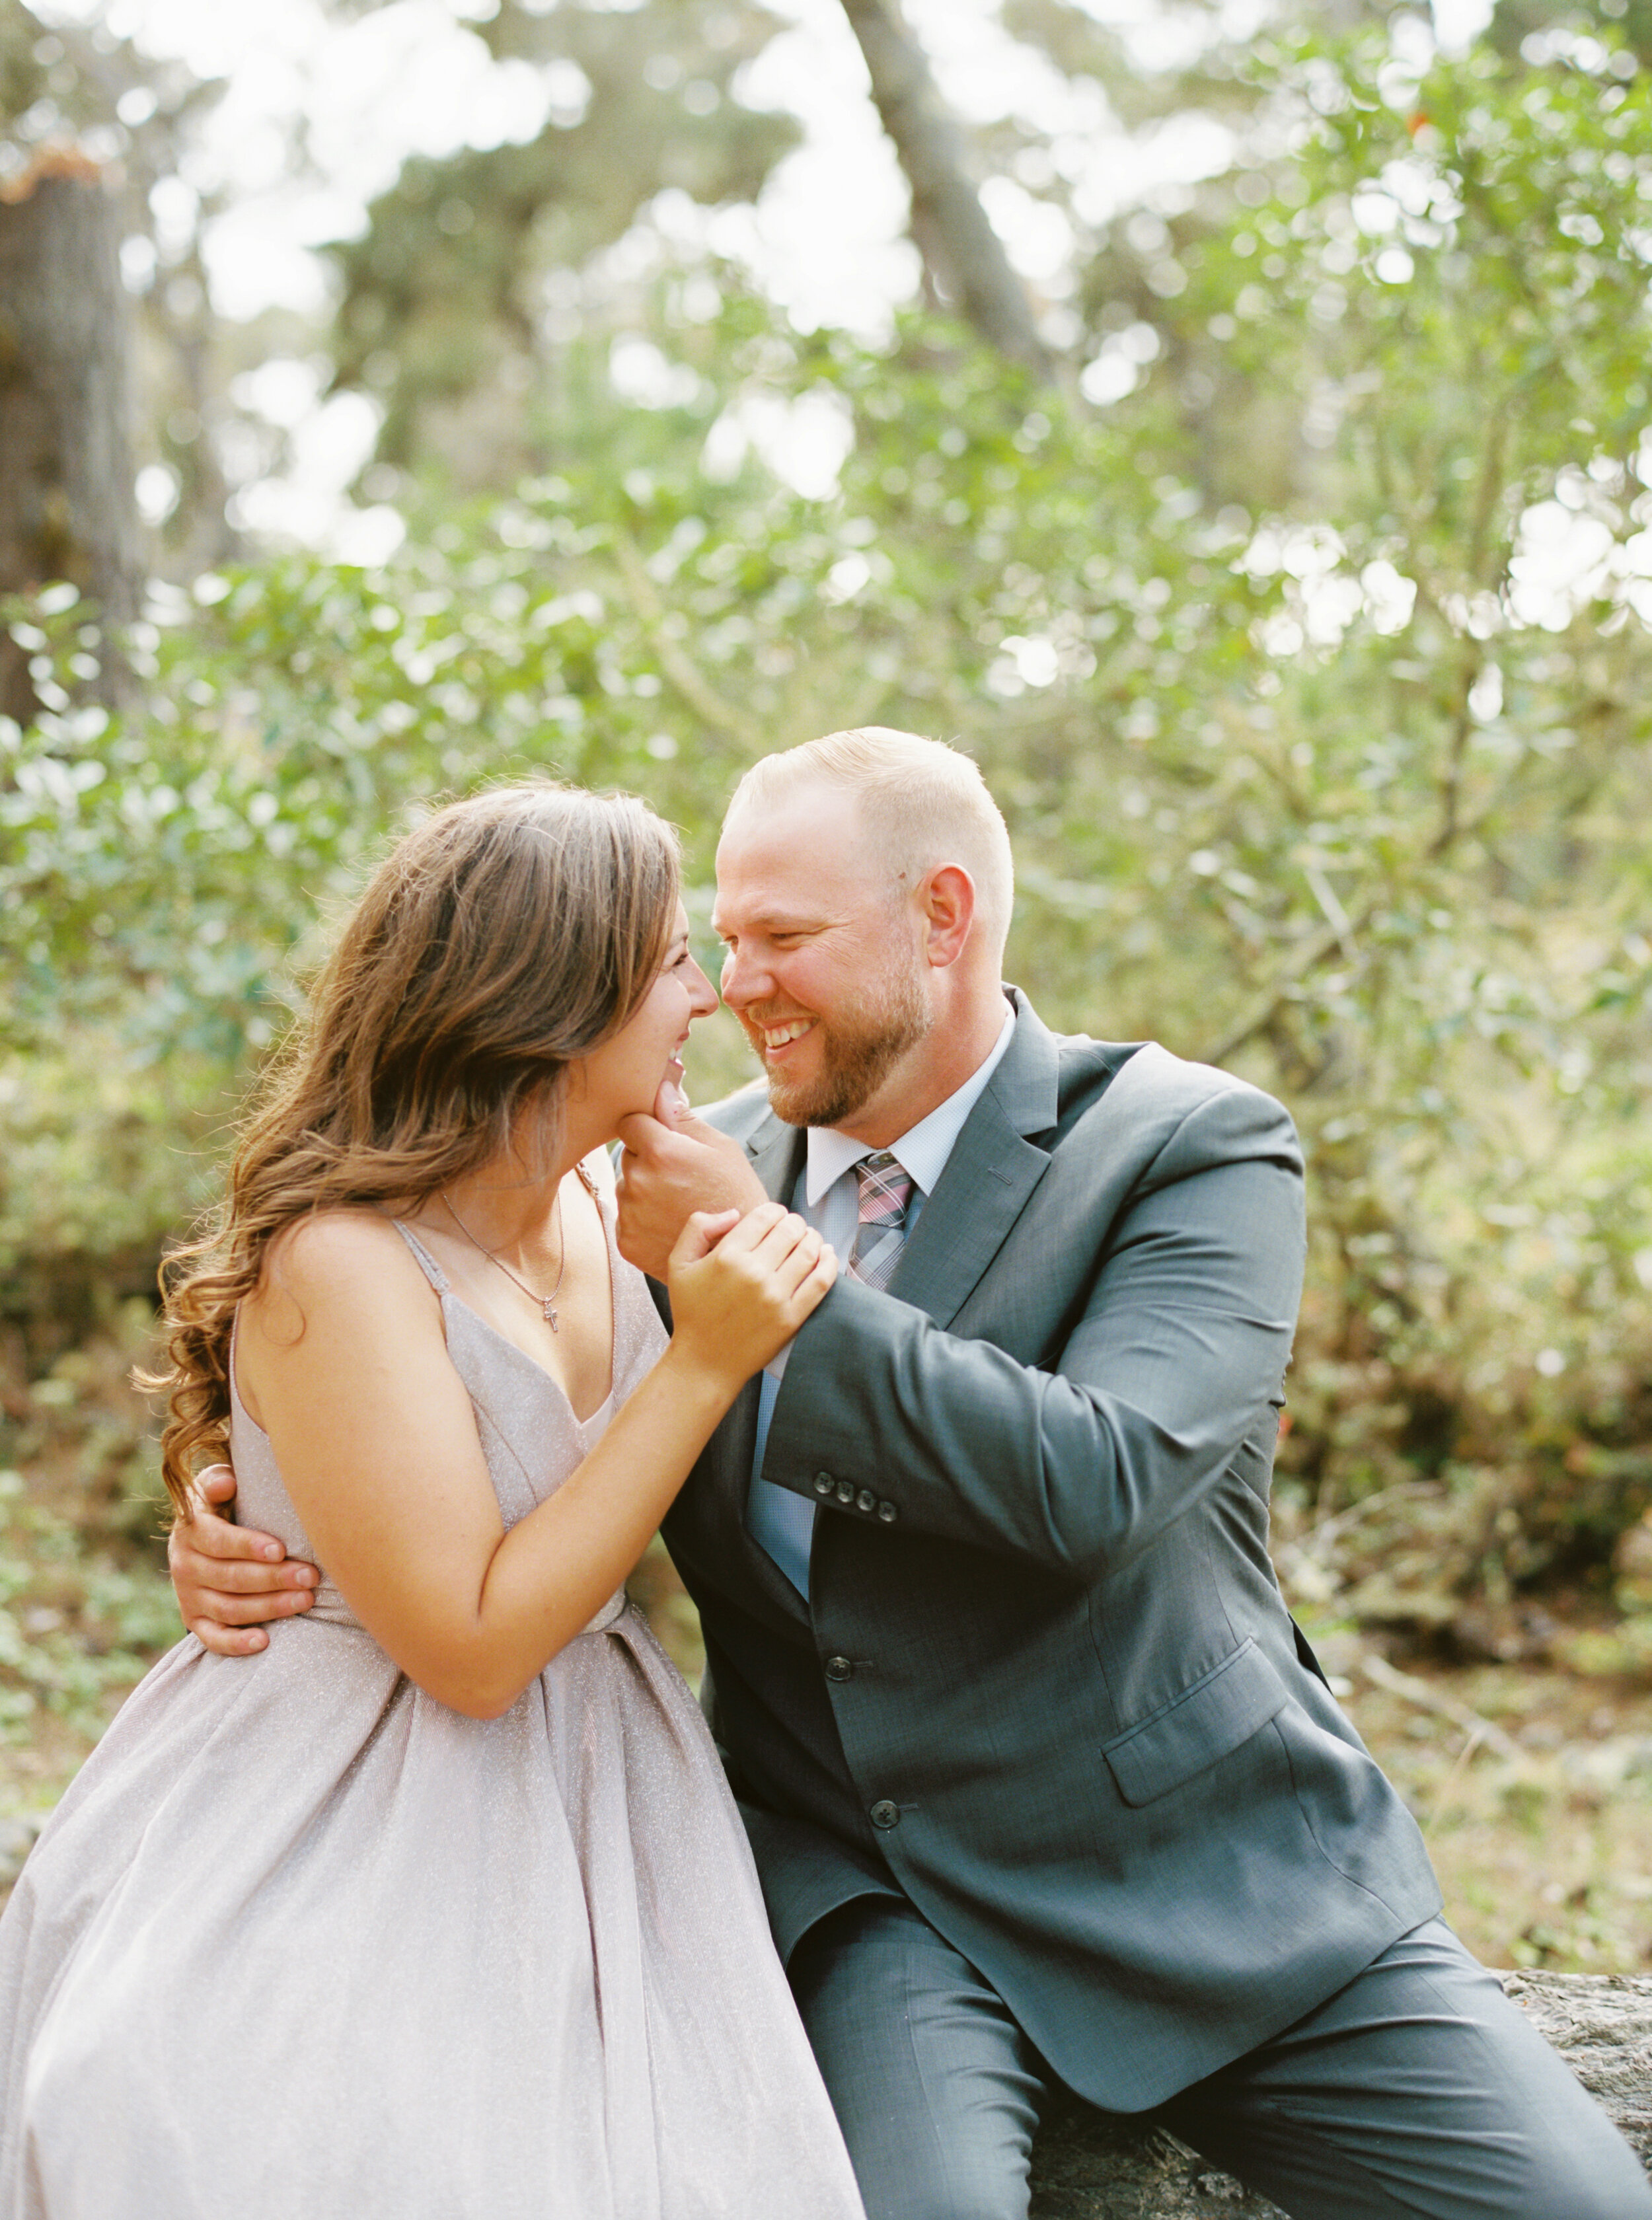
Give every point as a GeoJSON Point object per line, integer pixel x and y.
{"type": "Point", "coordinates": [823, 970]}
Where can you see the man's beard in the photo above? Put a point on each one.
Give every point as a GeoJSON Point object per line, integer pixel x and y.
{"type": "Point", "coordinates": [856, 1057]}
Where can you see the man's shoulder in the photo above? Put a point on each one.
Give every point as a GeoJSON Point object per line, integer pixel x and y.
{"type": "Point", "coordinates": [1148, 1071]}
{"type": "Point", "coordinates": [1145, 1089]}
{"type": "Point", "coordinates": [1082, 1071]}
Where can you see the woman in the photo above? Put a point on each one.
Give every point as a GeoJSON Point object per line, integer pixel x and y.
{"type": "Point", "coordinates": [460, 1836]}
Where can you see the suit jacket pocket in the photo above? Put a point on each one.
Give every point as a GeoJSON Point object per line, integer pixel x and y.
{"type": "Point", "coordinates": [1233, 1701]}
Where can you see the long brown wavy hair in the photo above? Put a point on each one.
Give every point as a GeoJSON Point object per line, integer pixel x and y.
{"type": "Point", "coordinates": [508, 935]}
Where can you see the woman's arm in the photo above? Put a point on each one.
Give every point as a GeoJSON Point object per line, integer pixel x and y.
{"type": "Point", "coordinates": [342, 1349]}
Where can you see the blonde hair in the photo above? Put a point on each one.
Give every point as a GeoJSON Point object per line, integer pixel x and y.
{"type": "Point", "coordinates": [923, 804]}
{"type": "Point", "coordinates": [507, 936]}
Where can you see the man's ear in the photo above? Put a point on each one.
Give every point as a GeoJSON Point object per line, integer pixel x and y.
{"type": "Point", "coordinates": [947, 903]}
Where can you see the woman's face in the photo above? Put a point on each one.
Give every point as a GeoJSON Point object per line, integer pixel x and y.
{"type": "Point", "coordinates": [625, 1074]}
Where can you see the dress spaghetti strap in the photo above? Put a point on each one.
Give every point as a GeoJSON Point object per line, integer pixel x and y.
{"type": "Point", "coordinates": [428, 1264]}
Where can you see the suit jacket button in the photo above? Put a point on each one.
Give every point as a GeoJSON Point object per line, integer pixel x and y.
{"type": "Point", "coordinates": [823, 1483]}
{"type": "Point", "coordinates": [866, 1500]}
{"type": "Point", "coordinates": [888, 1513]}
{"type": "Point", "coordinates": [885, 1813]}
{"type": "Point", "coordinates": [839, 1668]}
{"type": "Point", "coordinates": [845, 1491]}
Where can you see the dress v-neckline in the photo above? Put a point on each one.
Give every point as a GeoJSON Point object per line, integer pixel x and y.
{"type": "Point", "coordinates": [445, 1292]}
{"type": "Point", "coordinates": [445, 1295]}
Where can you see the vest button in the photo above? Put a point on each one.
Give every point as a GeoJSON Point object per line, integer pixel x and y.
{"type": "Point", "coordinates": [823, 1483]}
{"type": "Point", "coordinates": [888, 1513]}
{"type": "Point", "coordinates": [885, 1813]}
{"type": "Point", "coordinates": [866, 1500]}
{"type": "Point", "coordinates": [845, 1491]}
{"type": "Point", "coordinates": [839, 1669]}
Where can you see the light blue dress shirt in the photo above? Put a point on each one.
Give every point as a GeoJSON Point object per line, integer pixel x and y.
{"type": "Point", "coordinates": [827, 1194]}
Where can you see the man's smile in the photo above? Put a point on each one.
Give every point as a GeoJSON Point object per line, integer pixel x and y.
{"type": "Point", "coordinates": [776, 1038]}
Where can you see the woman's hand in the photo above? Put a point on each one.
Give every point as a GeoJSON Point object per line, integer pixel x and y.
{"type": "Point", "coordinates": [741, 1286]}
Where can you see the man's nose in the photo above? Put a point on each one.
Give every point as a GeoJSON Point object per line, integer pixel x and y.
{"type": "Point", "coordinates": [744, 980]}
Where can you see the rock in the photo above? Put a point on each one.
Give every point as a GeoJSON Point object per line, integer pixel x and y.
{"type": "Point", "coordinates": [1088, 2166]}
{"type": "Point", "coordinates": [1601, 2024]}
{"type": "Point", "coordinates": [1091, 2166]}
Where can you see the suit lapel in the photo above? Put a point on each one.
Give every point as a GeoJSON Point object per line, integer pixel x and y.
{"type": "Point", "coordinates": [988, 1179]}
{"type": "Point", "coordinates": [777, 1153]}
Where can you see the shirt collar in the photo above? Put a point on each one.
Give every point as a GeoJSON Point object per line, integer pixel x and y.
{"type": "Point", "coordinates": [922, 1152]}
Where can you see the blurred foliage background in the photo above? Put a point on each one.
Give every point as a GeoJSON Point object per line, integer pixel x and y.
{"type": "Point", "coordinates": [1295, 600]}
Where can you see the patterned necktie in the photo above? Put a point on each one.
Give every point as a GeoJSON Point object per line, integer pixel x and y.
{"type": "Point", "coordinates": [885, 1192]}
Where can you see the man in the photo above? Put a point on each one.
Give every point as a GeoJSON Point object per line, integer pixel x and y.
{"type": "Point", "coordinates": [1043, 1784]}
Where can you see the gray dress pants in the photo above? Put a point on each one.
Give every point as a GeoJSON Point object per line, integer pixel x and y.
{"type": "Point", "coordinates": [1416, 2091]}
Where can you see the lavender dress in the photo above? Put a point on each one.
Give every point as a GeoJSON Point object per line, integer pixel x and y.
{"type": "Point", "coordinates": [300, 1941]}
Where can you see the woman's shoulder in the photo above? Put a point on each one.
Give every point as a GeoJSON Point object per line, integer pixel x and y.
{"type": "Point", "coordinates": [340, 1259]}
{"type": "Point", "coordinates": [324, 1240]}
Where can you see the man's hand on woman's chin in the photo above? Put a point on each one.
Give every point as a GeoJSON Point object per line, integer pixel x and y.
{"type": "Point", "coordinates": [671, 1166]}
{"type": "Point", "coordinates": [230, 1579]}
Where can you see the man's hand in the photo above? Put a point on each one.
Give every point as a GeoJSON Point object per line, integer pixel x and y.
{"type": "Point", "coordinates": [673, 1166]}
{"type": "Point", "coordinates": [228, 1578]}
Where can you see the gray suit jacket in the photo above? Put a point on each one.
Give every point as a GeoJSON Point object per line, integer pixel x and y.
{"type": "Point", "coordinates": [1046, 1685]}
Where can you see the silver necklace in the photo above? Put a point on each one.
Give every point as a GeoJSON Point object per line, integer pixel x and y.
{"type": "Point", "coordinates": [547, 1303]}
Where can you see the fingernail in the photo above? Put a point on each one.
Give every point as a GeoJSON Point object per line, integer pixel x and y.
{"type": "Point", "coordinates": [272, 1550]}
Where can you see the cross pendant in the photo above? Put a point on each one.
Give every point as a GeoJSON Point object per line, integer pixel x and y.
{"type": "Point", "coordinates": [550, 1310]}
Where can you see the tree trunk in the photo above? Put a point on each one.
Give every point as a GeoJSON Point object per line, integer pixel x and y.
{"type": "Point", "coordinates": [960, 248]}
{"type": "Point", "coordinates": [68, 506]}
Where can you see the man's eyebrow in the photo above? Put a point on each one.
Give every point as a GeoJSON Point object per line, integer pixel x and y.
{"type": "Point", "coordinates": [773, 921]}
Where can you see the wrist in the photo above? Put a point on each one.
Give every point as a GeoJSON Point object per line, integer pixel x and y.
{"type": "Point", "coordinates": [698, 1376]}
